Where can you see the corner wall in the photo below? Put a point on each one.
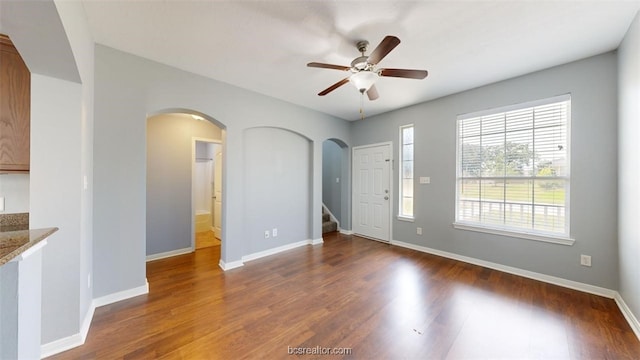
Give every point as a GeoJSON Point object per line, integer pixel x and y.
{"type": "Point", "coordinates": [629, 169]}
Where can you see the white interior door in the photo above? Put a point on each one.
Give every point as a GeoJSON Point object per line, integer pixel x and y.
{"type": "Point", "coordinates": [217, 196]}
{"type": "Point", "coordinates": [371, 191]}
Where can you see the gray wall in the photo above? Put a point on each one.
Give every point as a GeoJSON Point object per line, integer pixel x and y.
{"type": "Point", "coordinates": [629, 166]}
{"type": "Point", "coordinates": [58, 50]}
{"type": "Point", "coordinates": [127, 89]}
{"type": "Point", "coordinates": [277, 186]}
{"type": "Point", "coordinates": [332, 170]}
{"type": "Point", "coordinates": [593, 86]}
{"type": "Point", "coordinates": [55, 120]}
{"type": "Point", "coordinates": [169, 179]}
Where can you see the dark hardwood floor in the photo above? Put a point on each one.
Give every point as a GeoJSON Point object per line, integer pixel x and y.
{"type": "Point", "coordinates": [382, 302]}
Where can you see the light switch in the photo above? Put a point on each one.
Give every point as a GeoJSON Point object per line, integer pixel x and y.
{"type": "Point", "coordinates": [2, 203]}
{"type": "Point", "coordinates": [425, 180]}
{"type": "Point", "coordinates": [337, 180]}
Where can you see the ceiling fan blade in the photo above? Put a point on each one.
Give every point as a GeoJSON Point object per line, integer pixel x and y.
{"type": "Point", "coordinates": [333, 87]}
{"type": "Point", "coordinates": [328, 66]}
{"type": "Point", "coordinates": [404, 73]}
{"type": "Point", "coordinates": [386, 45]}
{"type": "Point", "coordinates": [372, 93]}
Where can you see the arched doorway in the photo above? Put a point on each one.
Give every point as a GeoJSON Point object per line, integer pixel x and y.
{"type": "Point", "coordinates": [172, 137]}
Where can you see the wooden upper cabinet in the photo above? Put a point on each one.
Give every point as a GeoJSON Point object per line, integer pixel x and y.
{"type": "Point", "coordinates": [15, 105]}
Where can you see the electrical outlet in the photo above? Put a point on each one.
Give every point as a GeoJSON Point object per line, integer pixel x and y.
{"type": "Point", "coordinates": [89, 281]}
{"type": "Point", "coordinates": [585, 260]}
{"type": "Point", "coordinates": [2, 203]}
{"type": "Point", "coordinates": [419, 231]}
{"type": "Point", "coordinates": [274, 232]}
{"type": "Point", "coordinates": [266, 234]}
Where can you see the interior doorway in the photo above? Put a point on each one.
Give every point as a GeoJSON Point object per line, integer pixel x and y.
{"type": "Point", "coordinates": [207, 193]}
{"type": "Point", "coordinates": [171, 169]}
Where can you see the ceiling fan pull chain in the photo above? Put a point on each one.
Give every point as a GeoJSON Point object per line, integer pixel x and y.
{"type": "Point", "coordinates": [362, 105]}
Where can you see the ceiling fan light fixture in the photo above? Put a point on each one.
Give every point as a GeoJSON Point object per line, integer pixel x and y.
{"type": "Point", "coordinates": [363, 80]}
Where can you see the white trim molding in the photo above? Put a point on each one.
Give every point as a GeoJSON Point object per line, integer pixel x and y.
{"type": "Point", "coordinates": [516, 234]}
{"type": "Point", "coordinates": [78, 339]}
{"type": "Point", "coordinates": [69, 342]}
{"type": "Point", "coordinates": [631, 319]}
{"type": "Point", "coordinates": [273, 251]}
{"type": "Point", "coordinates": [171, 253]}
{"type": "Point", "coordinates": [260, 254]}
{"type": "Point", "coordinates": [121, 295]}
{"type": "Point", "coordinates": [591, 289]}
{"type": "Point", "coordinates": [346, 232]}
{"type": "Point", "coordinates": [60, 345]}
{"type": "Point", "coordinates": [231, 265]}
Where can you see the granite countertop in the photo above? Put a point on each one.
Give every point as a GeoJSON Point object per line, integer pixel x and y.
{"type": "Point", "coordinates": [16, 237]}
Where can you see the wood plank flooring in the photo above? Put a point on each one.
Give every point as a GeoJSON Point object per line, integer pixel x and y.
{"type": "Point", "coordinates": [380, 301]}
{"type": "Point", "coordinates": [206, 239]}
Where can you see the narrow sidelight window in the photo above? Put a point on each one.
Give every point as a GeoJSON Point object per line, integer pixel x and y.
{"type": "Point", "coordinates": [406, 172]}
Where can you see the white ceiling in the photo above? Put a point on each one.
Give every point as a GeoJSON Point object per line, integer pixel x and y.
{"type": "Point", "coordinates": [264, 46]}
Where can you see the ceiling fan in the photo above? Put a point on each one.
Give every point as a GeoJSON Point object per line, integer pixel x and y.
{"type": "Point", "coordinates": [363, 68]}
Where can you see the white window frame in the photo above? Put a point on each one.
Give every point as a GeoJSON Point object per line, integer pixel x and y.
{"type": "Point", "coordinates": [531, 234]}
{"type": "Point", "coordinates": [401, 215]}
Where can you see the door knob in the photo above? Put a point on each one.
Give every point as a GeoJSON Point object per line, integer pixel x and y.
{"type": "Point", "coordinates": [386, 198]}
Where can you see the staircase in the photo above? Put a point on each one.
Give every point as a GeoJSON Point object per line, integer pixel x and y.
{"type": "Point", "coordinates": [327, 224]}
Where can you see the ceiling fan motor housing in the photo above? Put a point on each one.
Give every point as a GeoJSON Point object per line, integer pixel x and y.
{"type": "Point", "coordinates": [360, 63]}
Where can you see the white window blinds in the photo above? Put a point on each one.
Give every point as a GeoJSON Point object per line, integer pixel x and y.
{"type": "Point", "coordinates": [513, 168]}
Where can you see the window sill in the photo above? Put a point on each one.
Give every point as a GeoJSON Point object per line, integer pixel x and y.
{"type": "Point", "coordinates": [535, 237]}
{"type": "Point", "coordinates": [405, 218]}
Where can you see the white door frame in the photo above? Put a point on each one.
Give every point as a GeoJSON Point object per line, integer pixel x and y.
{"type": "Point", "coordinates": [391, 185]}
{"type": "Point", "coordinates": [193, 190]}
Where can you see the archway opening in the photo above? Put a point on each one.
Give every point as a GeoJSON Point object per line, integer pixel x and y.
{"type": "Point", "coordinates": [335, 186]}
{"type": "Point", "coordinates": [182, 149]}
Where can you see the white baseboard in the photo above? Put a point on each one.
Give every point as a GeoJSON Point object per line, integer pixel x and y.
{"type": "Point", "coordinates": [596, 290]}
{"type": "Point", "coordinates": [232, 265]}
{"type": "Point", "coordinates": [75, 340]}
{"type": "Point", "coordinates": [122, 295]}
{"type": "Point", "coordinates": [60, 345]}
{"type": "Point", "coordinates": [631, 319]}
{"type": "Point", "coordinates": [346, 232]}
{"type": "Point", "coordinates": [273, 251]}
{"type": "Point", "coordinates": [260, 254]}
{"type": "Point", "coordinates": [169, 254]}
{"type": "Point", "coordinates": [86, 323]}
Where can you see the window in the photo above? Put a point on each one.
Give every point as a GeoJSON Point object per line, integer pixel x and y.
{"type": "Point", "coordinates": [406, 172]}
{"type": "Point", "coordinates": [513, 170]}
